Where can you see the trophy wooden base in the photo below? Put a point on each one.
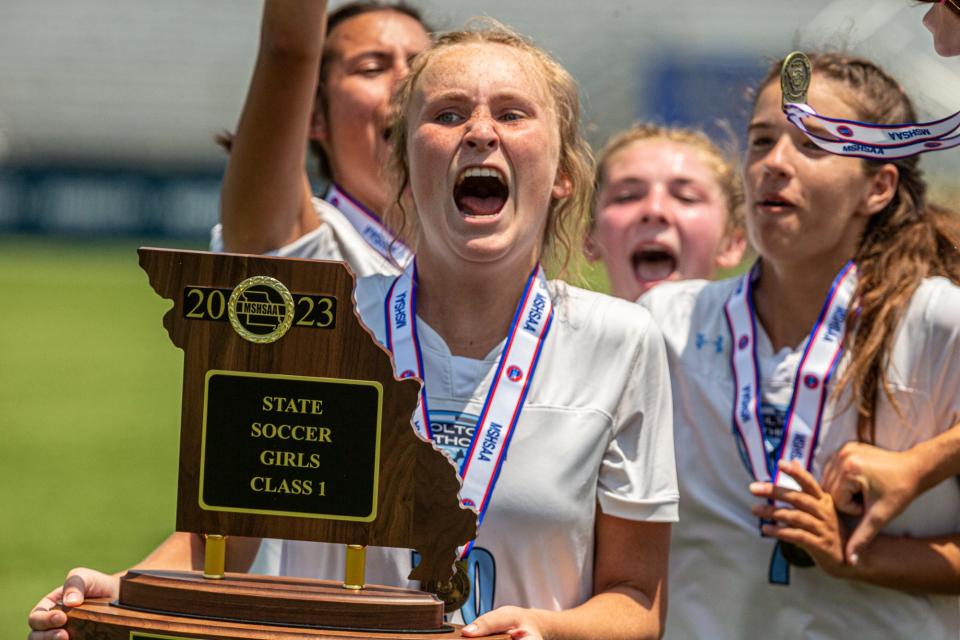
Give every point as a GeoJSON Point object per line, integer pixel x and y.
{"type": "Point", "coordinates": [181, 605]}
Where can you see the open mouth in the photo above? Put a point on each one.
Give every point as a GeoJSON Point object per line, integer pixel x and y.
{"type": "Point", "coordinates": [481, 191]}
{"type": "Point", "coordinates": [653, 263]}
{"type": "Point", "coordinates": [774, 202]}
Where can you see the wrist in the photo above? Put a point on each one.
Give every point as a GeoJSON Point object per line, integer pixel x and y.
{"type": "Point", "coordinates": [925, 463]}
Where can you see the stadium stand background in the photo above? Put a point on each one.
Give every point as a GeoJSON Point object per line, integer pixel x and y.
{"type": "Point", "coordinates": [107, 109]}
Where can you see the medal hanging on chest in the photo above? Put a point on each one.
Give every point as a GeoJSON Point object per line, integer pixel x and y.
{"type": "Point", "coordinates": [370, 227]}
{"type": "Point", "coordinates": [501, 407]}
{"type": "Point", "coordinates": [810, 388]}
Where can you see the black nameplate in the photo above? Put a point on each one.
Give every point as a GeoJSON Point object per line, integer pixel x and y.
{"type": "Point", "coordinates": [210, 303]}
{"type": "Point", "coordinates": [290, 445]}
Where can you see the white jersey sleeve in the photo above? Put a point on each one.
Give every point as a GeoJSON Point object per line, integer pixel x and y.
{"type": "Point", "coordinates": [334, 239]}
{"type": "Point", "coordinates": [638, 475]}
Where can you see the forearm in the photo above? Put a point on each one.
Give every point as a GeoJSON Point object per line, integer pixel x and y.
{"type": "Point", "coordinates": [621, 613]}
{"type": "Point", "coordinates": [185, 551]}
{"type": "Point", "coordinates": [923, 565]}
{"type": "Point", "coordinates": [262, 201]}
{"type": "Point", "coordinates": [938, 458]}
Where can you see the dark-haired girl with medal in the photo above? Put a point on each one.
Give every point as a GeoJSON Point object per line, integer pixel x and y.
{"type": "Point", "coordinates": [847, 328]}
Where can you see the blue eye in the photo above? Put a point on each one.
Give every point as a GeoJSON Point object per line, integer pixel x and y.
{"type": "Point", "coordinates": [511, 116]}
{"type": "Point", "coordinates": [447, 117]}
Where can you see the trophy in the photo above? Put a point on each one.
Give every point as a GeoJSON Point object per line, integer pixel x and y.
{"type": "Point", "coordinates": [293, 426]}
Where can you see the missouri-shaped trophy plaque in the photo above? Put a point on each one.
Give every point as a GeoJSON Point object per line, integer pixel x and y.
{"type": "Point", "coordinates": [293, 426]}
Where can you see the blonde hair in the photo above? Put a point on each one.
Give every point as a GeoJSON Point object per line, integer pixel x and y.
{"type": "Point", "coordinates": [722, 164]}
{"type": "Point", "coordinates": [566, 219]}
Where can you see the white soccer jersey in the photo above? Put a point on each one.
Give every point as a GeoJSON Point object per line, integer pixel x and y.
{"type": "Point", "coordinates": [720, 567]}
{"type": "Point", "coordinates": [596, 428]}
{"type": "Point", "coordinates": [334, 239]}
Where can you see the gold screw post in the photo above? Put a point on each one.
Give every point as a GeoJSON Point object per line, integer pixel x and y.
{"type": "Point", "coordinates": [214, 556]}
{"type": "Point", "coordinates": [355, 572]}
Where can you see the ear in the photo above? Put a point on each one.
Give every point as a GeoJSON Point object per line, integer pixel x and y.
{"type": "Point", "coordinates": [591, 249]}
{"type": "Point", "coordinates": [562, 188]}
{"type": "Point", "coordinates": [318, 123]}
{"type": "Point", "coordinates": [881, 189]}
{"type": "Point", "coordinates": [731, 249]}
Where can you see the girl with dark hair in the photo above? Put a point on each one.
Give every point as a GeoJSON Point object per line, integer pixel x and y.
{"type": "Point", "coordinates": [334, 91]}
{"type": "Point", "coordinates": [851, 249]}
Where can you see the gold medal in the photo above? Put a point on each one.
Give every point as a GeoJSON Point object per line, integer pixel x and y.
{"type": "Point", "coordinates": [795, 78]}
{"type": "Point", "coordinates": [454, 592]}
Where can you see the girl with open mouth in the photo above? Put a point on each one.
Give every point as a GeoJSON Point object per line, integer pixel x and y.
{"type": "Point", "coordinates": [668, 207]}
{"type": "Point", "coordinates": [335, 92]}
{"type": "Point", "coordinates": [570, 465]}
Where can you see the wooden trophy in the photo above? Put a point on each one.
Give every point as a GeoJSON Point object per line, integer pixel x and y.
{"type": "Point", "coordinates": [293, 426]}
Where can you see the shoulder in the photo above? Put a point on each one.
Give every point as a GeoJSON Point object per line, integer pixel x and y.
{"type": "Point", "coordinates": [677, 306]}
{"type": "Point", "coordinates": [597, 314]}
{"type": "Point", "coordinates": [369, 296]}
{"type": "Point", "coordinates": [935, 305]}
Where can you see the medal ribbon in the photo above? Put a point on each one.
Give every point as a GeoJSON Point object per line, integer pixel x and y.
{"type": "Point", "coordinates": [369, 226]}
{"type": "Point", "coordinates": [511, 381]}
{"type": "Point", "coordinates": [876, 141]}
{"type": "Point", "coordinates": [810, 387]}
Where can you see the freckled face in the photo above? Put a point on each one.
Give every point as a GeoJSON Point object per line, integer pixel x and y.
{"type": "Point", "coordinates": [483, 153]}
{"type": "Point", "coordinates": [661, 216]}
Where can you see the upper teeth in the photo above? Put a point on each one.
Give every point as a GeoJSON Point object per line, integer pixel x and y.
{"type": "Point", "coordinates": [479, 172]}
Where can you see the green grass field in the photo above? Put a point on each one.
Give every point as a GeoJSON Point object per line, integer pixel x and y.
{"type": "Point", "coordinates": [89, 415]}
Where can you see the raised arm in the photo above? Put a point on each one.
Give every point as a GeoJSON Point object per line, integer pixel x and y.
{"type": "Point", "coordinates": [265, 196]}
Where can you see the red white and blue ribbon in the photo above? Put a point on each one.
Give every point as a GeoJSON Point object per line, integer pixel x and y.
{"type": "Point", "coordinates": [369, 226]}
{"type": "Point", "coordinates": [875, 141]}
{"type": "Point", "coordinates": [508, 391]}
{"type": "Point", "coordinates": [810, 388]}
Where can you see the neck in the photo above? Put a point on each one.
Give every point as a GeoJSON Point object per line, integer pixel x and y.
{"type": "Point", "coordinates": [788, 298]}
{"type": "Point", "coordinates": [470, 309]}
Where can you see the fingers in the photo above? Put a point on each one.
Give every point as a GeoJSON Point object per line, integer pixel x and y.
{"type": "Point", "coordinates": [45, 615]}
{"type": "Point", "coordinates": [501, 620]}
{"type": "Point", "coordinates": [808, 484]}
{"type": "Point", "coordinates": [793, 518]}
{"type": "Point", "coordinates": [781, 494]}
{"type": "Point", "coordinates": [873, 521]}
{"type": "Point", "coordinates": [56, 634]}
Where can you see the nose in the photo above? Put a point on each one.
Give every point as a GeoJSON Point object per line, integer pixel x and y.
{"type": "Point", "coordinates": [481, 134]}
{"type": "Point", "coordinates": [655, 208]}
{"type": "Point", "coordinates": [777, 161]}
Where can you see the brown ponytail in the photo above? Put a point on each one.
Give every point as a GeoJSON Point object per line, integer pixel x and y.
{"type": "Point", "coordinates": [906, 242]}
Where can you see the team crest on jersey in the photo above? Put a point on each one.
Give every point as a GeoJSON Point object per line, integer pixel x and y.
{"type": "Point", "coordinates": [743, 343]}
{"type": "Point", "coordinates": [407, 374]}
{"type": "Point", "coordinates": [452, 432]}
{"type": "Point", "coordinates": [845, 131]}
{"type": "Point", "coordinates": [514, 373]}
{"type": "Point", "coordinates": [811, 381]}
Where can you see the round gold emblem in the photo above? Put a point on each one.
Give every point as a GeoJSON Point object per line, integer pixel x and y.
{"type": "Point", "coordinates": [454, 592]}
{"type": "Point", "coordinates": [795, 78]}
{"type": "Point", "coordinates": [261, 309]}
